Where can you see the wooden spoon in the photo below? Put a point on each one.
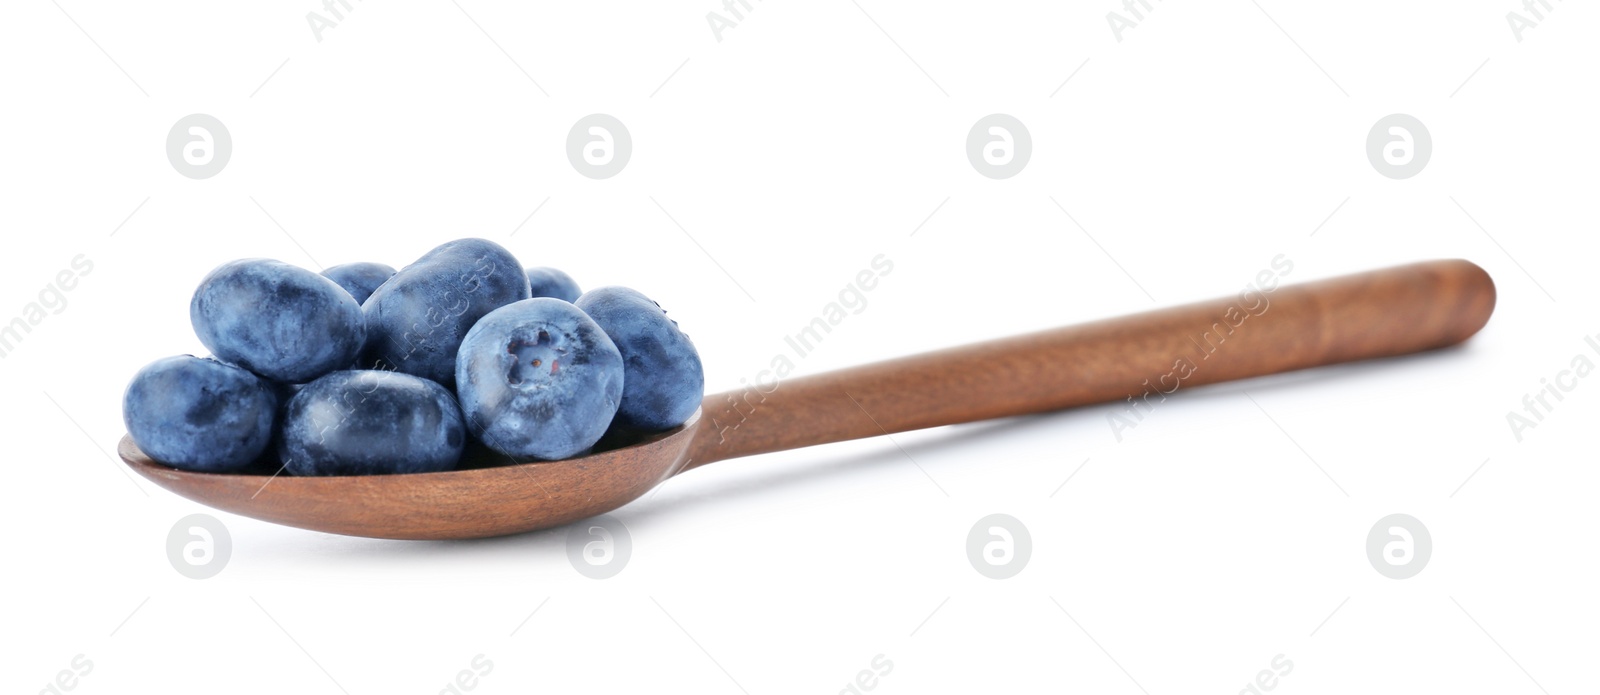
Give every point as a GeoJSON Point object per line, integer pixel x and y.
{"type": "Point", "coordinates": [1133, 359]}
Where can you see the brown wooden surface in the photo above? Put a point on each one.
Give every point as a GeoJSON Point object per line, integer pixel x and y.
{"type": "Point", "coordinates": [494, 500]}
{"type": "Point", "coordinates": [1377, 314]}
{"type": "Point", "coordinates": [1381, 313]}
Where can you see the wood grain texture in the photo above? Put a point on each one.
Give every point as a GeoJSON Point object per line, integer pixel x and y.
{"type": "Point", "coordinates": [1382, 313]}
{"type": "Point", "coordinates": [490, 498]}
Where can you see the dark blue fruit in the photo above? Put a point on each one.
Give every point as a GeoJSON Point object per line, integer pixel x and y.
{"type": "Point", "coordinates": [359, 279]}
{"type": "Point", "coordinates": [277, 320]}
{"type": "Point", "coordinates": [551, 282]}
{"type": "Point", "coordinates": [538, 379]}
{"type": "Point", "coordinates": [365, 422]}
{"type": "Point", "coordinates": [663, 380]}
{"type": "Point", "coordinates": [416, 320]}
{"type": "Point", "coordinates": [199, 414]}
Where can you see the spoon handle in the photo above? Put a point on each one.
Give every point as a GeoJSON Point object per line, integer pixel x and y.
{"type": "Point", "coordinates": [1140, 360]}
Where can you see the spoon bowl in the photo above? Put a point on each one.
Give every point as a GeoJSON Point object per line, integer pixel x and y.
{"type": "Point", "coordinates": [486, 498]}
{"type": "Point", "coordinates": [1135, 361]}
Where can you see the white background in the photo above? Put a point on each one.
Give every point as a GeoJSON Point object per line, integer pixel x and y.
{"type": "Point", "coordinates": [812, 137]}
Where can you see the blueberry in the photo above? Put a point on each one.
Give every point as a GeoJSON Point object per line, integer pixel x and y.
{"type": "Point", "coordinates": [663, 380]}
{"type": "Point", "coordinates": [277, 320]}
{"type": "Point", "coordinates": [359, 279]}
{"type": "Point", "coordinates": [551, 282]}
{"type": "Point", "coordinates": [199, 414]}
{"type": "Point", "coordinates": [417, 319]}
{"type": "Point", "coordinates": [364, 422]}
{"type": "Point", "coordinates": [538, 379]}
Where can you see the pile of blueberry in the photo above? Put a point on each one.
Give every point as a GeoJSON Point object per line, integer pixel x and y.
{"type": "Point", "coordinates": [364, 370]}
